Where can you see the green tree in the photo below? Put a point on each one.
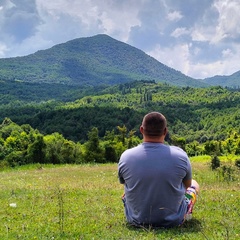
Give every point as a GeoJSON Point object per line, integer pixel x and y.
{"type": "Point", "coordinates": [109, 135]}
{"type": "Point", "coordinates": [130, 139]}
{"type": "Point", "coordinates": [179, 141]}
{"type": "Point", "coordinates": [15, 158]}
{"type": "Point", "coordinates": [215, 162]}
{"type": "Point", "coordinates": [119, 148]}
{"type": "Point", "coordinates": [54, 143]}
{"type": "Point", "coordinates": [237, 149]}
{"type": "Point", "coordinates": [71, 152]}
{"type": "Point", "coordinates": [93, 151]}
{"type": "Point", "coordinates": [211, 147]}
{"type": "Point", "coordinates": [7, 127]}
{"type": "Point", "coordinates": [2, 149]}
{"type": "Point", "coordinates": [194, 149]}
{"type": "Point", "coordinates": [110, 153]}
{"type": "Point", "coordinates": [36, 151]}
{"type": "Point", "coordinates": [123, 133]}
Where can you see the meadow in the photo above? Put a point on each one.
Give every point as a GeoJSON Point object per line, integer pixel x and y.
{"type": "Point", "coordinates": [84, 202]}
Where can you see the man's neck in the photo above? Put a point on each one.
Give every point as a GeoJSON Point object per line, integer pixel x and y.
{"type": "Point", "coordinates": [153, 140]}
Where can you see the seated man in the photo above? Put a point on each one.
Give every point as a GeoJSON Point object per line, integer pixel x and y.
{"type": "Point", "coordinates": [156, 177]}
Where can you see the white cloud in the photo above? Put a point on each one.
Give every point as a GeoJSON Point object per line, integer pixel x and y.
{"type": "Point", "coordinates": [179, 32]}
{"type": "Point", "coordinates": [229, 18]}
{"type": "Point", "coordinates": [3, 49]}
{"type": "Point", "coordinates": [219, 22]}
{"type": "Point", "coordinates": [94, 16]}
{"type": "Point", "coordinates": [9, 4]}
{"type": "Point", "coordinates": [176, 57]}
{"type": "Point", "coordinates": [179, 57]}
{"type": "Point", "coordinates": [230, 59]}
{"type": "Point", "coordinates": [226, 65]}
{"type": "Point", "coordinates": [204, 30]}
{"type": "Point", "coordinates": [198, 38]}
{"type": "Point", "coordinates": [64, 20]}
{"type": "Point", "coordinates": [199, 35]}
{"type": "Point", "coordinates": [226, 53]}
{"type": "Point", "coordinates": [174, 16]}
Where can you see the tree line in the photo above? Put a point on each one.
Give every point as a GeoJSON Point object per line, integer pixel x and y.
{"type": "Point", "coordinates": [200, 120]}
{"type": "Point", "coordinates": [22, 144]}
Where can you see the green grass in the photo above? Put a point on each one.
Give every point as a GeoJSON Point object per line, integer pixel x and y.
{"type": "Point", "coordinates": [83, 202]}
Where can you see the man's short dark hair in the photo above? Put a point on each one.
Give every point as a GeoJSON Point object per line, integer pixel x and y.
{"type": "Point", "coordinates": [154, 124]}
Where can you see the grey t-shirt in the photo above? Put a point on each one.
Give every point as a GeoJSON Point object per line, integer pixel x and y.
{"type": "Point", "coordinates": [153, 174]}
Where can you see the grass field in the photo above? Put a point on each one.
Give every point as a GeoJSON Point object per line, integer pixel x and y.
{"type": "Point", "coordinates": [83, 202]}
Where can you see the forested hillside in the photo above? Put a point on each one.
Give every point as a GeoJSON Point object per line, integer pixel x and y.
{"type": "Point", "coordinates": [96, 124]}
{"type": "Point", "coordinates": [91, 61]}
{"type": "Point", "coordinates": [193, 113]}
{"type": "Point", "coordinates": [232, 81]}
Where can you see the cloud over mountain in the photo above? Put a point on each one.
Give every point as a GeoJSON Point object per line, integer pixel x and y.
{"type": "Point", "coordinates": [198, 38]}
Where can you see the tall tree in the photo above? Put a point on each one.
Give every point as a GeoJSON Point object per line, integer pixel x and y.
{"type": "Point", "coordinates": [36, 152]}
{"type": "Point", "coordinates": [93, 151]}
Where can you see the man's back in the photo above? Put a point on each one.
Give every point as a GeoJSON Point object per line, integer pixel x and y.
{"type": "Point", "coordinates": [153, 175]}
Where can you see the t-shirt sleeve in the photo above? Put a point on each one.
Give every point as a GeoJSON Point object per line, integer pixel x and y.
{"type": "Point", "coordinates": [121, 180]}
{"type": "Point", "coordinates": [189, 170]}
{"type": "Point", "coordinates": [120, 169]}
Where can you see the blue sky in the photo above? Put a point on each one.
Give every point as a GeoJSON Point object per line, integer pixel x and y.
{"type": "Point", "coordinates": [200, 38]}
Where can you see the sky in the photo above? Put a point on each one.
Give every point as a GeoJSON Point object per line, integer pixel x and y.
{"type": "Point", "coordinates": [200, 38]}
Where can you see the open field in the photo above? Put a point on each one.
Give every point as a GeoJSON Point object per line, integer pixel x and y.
{"type": "Point", "coordinates": [83, 202]}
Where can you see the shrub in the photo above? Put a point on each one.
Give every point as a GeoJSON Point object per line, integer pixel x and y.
{"type": "Point", "coordinates": [4, 165]}
{"type": "Point", "coordinates": [237, 163]}
{"type": "Point", "coordinates": [215, 162]}
{"type": "Point", "coordinates": [15, 158]}
{"type": "Point", "coordinates": [228, 172]}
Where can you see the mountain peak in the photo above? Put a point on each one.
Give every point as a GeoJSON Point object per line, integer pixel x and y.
{"type": "Point", "coordinates": [94, 60]}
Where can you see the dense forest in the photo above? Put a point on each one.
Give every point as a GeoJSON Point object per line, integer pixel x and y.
{"type": "Point", "coordinates": [198, 114]}
{"type": "Point", "coordinates": [95, 124]}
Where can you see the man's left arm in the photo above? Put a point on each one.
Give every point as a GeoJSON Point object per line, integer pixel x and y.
{"type": "Point", "coordinates": [187, 181]}
{"type": "Point", "coordinates": [120, 177]}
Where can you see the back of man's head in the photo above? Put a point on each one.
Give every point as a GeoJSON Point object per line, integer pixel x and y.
{"type": "Point", "coordinates": [154, 124]}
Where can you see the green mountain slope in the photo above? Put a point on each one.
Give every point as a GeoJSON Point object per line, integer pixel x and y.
{"type": "Point", "coordinates": [91, 61]}
{"type": "Point", "coordinates": [229, 81]}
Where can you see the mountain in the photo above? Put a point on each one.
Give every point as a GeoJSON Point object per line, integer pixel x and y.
{"type": "Point", "coordinates": [225, 81]}
{"type": "Point", "coordinates": [97, 60]}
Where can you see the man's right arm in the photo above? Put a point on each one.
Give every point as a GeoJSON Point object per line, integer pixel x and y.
{"type": "Point", "coordinates": [187, 183]}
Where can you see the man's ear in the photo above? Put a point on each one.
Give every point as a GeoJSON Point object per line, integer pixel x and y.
{"type": "Point", "coordinates": [141, 129]}
{"type": "Point", "coordinates": [165, 131]}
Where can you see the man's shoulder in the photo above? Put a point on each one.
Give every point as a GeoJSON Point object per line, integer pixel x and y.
{"type": "Point", "coordinates": [131, 153]}
{"type": "Point", "coordinates": [133, 149]}
{"type": "Point", "coordinates": [178, 150]}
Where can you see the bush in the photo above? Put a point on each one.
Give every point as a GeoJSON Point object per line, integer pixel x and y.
{"type": "Point", "coordinates": [228, 172]}
{"type": "Point", "coordinates": [215, 162]}
{"type": "Point", "coordinates": [3, 164]}
{"type": "Point", "coordinates": [15, 158]}
{"type": "Point", "coordinates": [237, 163]}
